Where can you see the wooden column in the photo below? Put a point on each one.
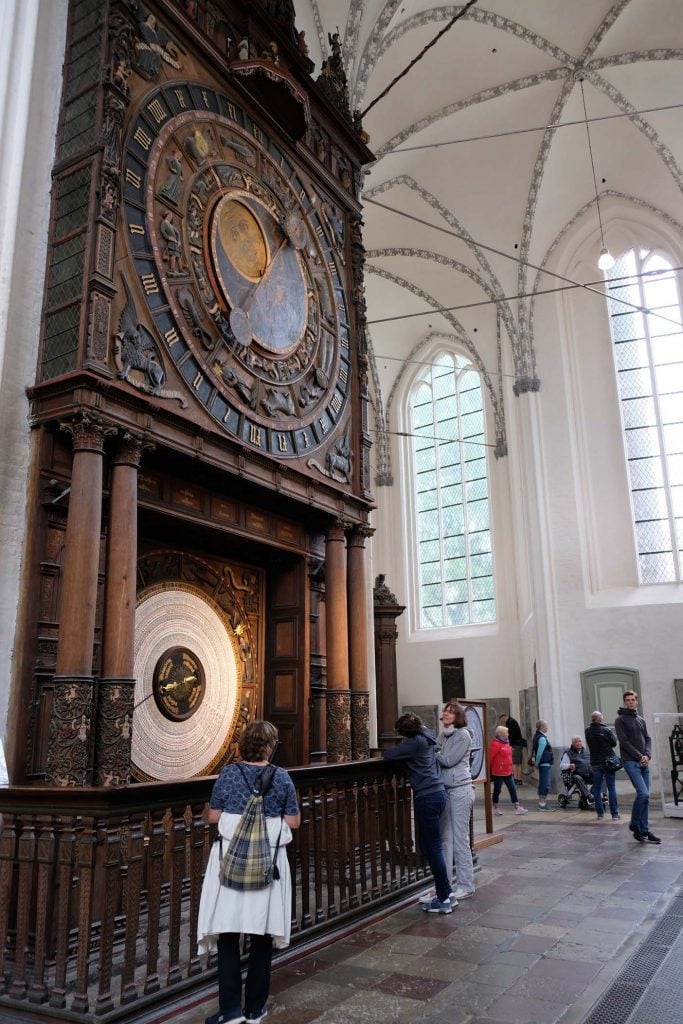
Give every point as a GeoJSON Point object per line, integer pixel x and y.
{"type": "Point", "coordinates": [69, 761]}
{"type": "Point", "coordinates": [113, 733]}
{"type": "Point", "coordinates": [387, 610]}
{"type": "Point", "coordinates": [337, 638]}
{"type": "Point", "coordinates": [318, 660]}
{"type": "Point", "coordinates": [358, 642]}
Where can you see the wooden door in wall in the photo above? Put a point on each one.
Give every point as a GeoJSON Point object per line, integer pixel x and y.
{"type": "Point", "coordinates": [287, 673]}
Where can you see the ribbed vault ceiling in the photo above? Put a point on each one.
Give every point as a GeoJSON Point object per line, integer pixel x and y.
{"type": "Point", "coordinates": [509, 69]}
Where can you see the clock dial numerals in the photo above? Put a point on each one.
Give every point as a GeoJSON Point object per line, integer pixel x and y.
{"type": "Point", "coordinates": [238, 260]}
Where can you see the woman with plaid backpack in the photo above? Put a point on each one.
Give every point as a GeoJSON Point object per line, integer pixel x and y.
{"type": "Point", "coordinates": [262, 913]}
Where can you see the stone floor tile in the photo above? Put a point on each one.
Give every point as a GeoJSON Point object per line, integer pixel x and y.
{"type": "Point", "coordinates": [472, 952]}
{"type": "Point", "coordinates": [352, 975]}
{"type": "Point", "coordinates": [532, 943]}
{"type": "Point", "coordinates": [360, 1009]}
{"type": "Point", "coordinates": [531, 1011]}
{"type": "Point", "coordinates": [555, 967]}
{"type": "Point", "coordinates": [312, 993]}
{"type": "Point", "coordinates": [293, 1014]}
{"type": "Point", "coordinates": [416, 945]}
{"type": "Point", "coordinates": [512, 956]}
{"type": "Point", "coordinates": [552, 931]}
{"type": "Point", "coordinates": [503, 975]}
{"type": "Point", "coordinates": [410, 986]}
{"type": "Point", "coordinates": [581, 952]}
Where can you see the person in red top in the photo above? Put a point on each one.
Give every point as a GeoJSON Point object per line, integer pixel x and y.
{"type": "Point", "coordinates": [500, 766]}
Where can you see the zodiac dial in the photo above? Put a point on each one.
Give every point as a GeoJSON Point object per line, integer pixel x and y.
{"type": "Point", "coordinates": [240, 258]}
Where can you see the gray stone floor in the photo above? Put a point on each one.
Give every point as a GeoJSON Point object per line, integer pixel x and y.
{"type": "Point", "coordinates": [562, 905]}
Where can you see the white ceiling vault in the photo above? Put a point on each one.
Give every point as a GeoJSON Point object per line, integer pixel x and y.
{"type": "Point", "coordinates": [500, 93]}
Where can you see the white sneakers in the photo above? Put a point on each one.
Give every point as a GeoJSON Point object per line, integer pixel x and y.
{"type": "Point", "coordinates": [461, 893]}
{"type": "Point", "coordinates": [498, 814]}
{"type": "Point", "coordinates": [521, 810]}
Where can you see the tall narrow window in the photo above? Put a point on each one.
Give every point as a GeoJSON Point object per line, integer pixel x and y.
{"type": "Point", "coordinates": [648, 350]}
{"type": "Point", "coordinates": [455, 562]}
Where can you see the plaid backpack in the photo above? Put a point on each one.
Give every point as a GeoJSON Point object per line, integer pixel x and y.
{"type": "Point", "coordinates": [247, 863]}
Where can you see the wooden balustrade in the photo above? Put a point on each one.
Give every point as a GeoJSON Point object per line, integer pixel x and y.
{"type": "Point", "coordinates": [99, 888]}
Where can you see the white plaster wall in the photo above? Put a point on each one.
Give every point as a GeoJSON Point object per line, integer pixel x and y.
{"type": "Point", "coordinates": [604, 617]}
{"type": "Point", "coordinates": [32, 37]}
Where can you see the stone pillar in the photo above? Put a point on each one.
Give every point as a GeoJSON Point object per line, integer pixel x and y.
{"type": "Point", "coordinates": [358, 642]}
{"type": "Point", "coordinates": [318, 661]}
{"type": "Point", "coordinates": [113, 732]}
{"type": "Point", "coordinates": [337, 643]}
{"type": "Point", "coordinates": [69, 760]}
{"type": "Point", "coordinates": [387, 610]}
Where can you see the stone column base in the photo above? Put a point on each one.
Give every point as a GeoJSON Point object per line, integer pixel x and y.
{"type": "Point", "coordinates": [69, 740]}
{"type": "Point", "coordinates": [360, 733]}
{"type": "Point", "coordinates": [114, 732]}
{"type": "Point", "coordinates": [338, 725]}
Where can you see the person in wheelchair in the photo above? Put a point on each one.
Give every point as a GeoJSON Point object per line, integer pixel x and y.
{"type": "Point", "coordinates": [576, 770]}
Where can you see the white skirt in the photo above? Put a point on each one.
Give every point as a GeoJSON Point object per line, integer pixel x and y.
{"type": "Point", "coordinates": [258, 912]}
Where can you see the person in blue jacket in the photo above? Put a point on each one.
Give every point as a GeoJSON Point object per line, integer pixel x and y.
{"type": "Point", "coordinates": [418, 750]}
{"type": "Point", "coordinates": [542, 757]}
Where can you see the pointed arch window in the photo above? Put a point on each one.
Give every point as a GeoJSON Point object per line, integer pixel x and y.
{"type": "Point", "coordinates": [648, 353]}
{"type": "Point", "coordinates": [453, 534]}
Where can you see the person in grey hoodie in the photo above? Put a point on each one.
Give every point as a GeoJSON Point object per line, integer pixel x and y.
{"type": "Point", "coordinates": [454, 745]}
{"type": "Point", "coordinates": [635, 750]}
{"type": "Point", "coordinates": [418, 750]}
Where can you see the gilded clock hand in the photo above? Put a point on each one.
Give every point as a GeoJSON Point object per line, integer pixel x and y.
{"type": "Point", "coordinates": [239, 315]}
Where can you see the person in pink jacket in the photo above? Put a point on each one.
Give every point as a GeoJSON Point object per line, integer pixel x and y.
{"type": "Point", "coordinates": [500, 766]}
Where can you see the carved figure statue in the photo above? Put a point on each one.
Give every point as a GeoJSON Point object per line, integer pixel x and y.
{"type": "Point", "coordinates": [135, 352]}
{"type": "Point", "coordinates": [171, 189]}
{"type": "Point", "coordinates": [197, 146]}
{"type": "Point", "coordinates": [339, 458]}
{"type": "Point", "coordinates": [193, 317]}
{"type": "Point", "coordinates": [335, 46]}
{"type": "Point", "coordinates": [151, 47]}
{"type": "Point", "coordinates": [301, 44]}
{"type": "Point", "coordinates": [381, 593]}
{"type": "Point", "coordinates": [242, 388]}
{"type": "Point", "coordinates": [277, 402]}
{"type": "Point", "coordinates": [172, 252]}
{"type": "Point", "coordinates": [243, 49]}
{"type": "Point", "coordinates": [271, 53]}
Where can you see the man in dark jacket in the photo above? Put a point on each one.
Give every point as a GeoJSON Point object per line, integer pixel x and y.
{"type": "Point", "coordinates": [601, 743]}
{"type": "Point", "coordinates": [635, 750]}
{"type": "Point", "coordinates": [418, 750]}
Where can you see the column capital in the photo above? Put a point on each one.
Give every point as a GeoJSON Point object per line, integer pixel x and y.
{"type": "Point", "coordinates": [131, 448]}
{"type": "Point", "coordinates": [358, 534]}
{"type": "Point", "coordinates": [88, 431]}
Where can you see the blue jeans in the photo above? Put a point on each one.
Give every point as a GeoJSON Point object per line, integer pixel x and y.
{"type": "Point", "coordinates": [611, 782]}
{"type": "Point", "coordinates": [640, 780]}
{"type": "Point", "coordinates": [428, 811]}
{"type": "Point", "coordinates": [509, 781]}
{"type": "Point", "coordinates": [543, 780]}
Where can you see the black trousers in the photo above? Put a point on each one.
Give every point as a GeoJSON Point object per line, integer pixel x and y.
{"type": "Point", "coordinates": [257, 985]}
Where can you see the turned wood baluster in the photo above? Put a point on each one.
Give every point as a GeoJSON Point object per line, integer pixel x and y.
{"type": "Point", "coordinates": [353, 840]}
{"type": "Point", "coordinates": [387, 833]}
{"type": "Point", "coordinates": [66, 848]}
{"type": "Point", "coordinates": [109, 876]}
{"type": "Point", "coordinates": [374, 846]}
{"type": "Point", "coordinates": [131, 907]}
{"type": "Point", "coordinates": [26, 852]}
{"type": "Point", "coordinates": [363, 838]}
{"type": "Point", "coordinates": [197, 868]}
{"type": "Point", "coordinates": [8, 843]}
{"type": "Point", "coordinates": [317, 812]}
{"type": "Point", "coordinates": [85, 860]}
{"type": "Point", "coordinates": [155, 864]}
{"type": "Point", "coordinates": [342, 845]}
{"type": "Point", "coordinates": [302, 836]}
{"type": "Point", "coordinates": [329, 820]}
{"type": "Point", "coordinates": [37, 992]}
{"type": "Point", "coordinates": [176, 841]}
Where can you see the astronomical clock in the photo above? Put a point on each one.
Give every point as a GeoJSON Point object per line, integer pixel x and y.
{"type": "Point", "coordinates": [203, 387]}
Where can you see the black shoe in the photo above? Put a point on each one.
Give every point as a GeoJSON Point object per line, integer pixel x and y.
{"type": "Point", "coordinates": [633, 828]}
{"type": "Point", "coordinates": [651, 838]}
{"type": "Point", "coordinates": [639, 837]}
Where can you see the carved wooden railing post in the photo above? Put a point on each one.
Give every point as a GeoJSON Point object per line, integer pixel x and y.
{"type": "Point", "coordinates": [196, 871]}
{"type": "Point", "coordinates": [69, 760]}
{"type": "Point", "coordinates": [109, 873]}
{"type": "Point", "coordinates": [131, 904]}
{"type": "Point", "coordinates": [387, 610]}
{"type": "Point", "coordinates": [358, 642]}
{"type": "Point", "coordinates": [114, 727]}
{"type": "Point", "coordinates": [337, 635]}
{"type": "Point", "coordinates": [155, 863]}
{"type": "Point", "coordinates": [45, 850]}
{"type": "Point", "coordinates": [66, 843]}
{"type": "Point", "coordinates": [176, 842]}
{"type": "Point", "coordinates": [85, 860]}
{"type": "Point", "coordinates": [8, 846]}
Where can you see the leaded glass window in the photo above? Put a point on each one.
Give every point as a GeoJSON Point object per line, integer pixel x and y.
{"type": "Point", "coordinates": [453, 534]}
{"type": "Point", "coordinates": [648, 352]}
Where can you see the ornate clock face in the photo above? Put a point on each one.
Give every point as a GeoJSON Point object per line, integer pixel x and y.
{"type": "Point", "coordinates": [241, 262]}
